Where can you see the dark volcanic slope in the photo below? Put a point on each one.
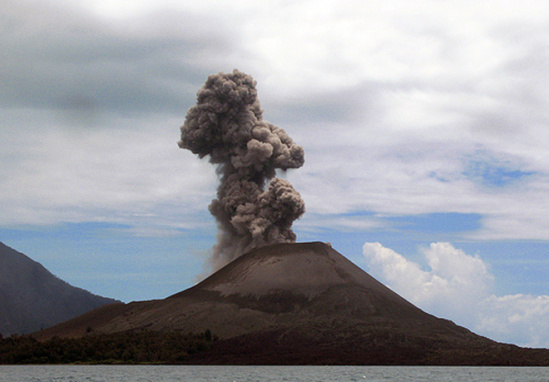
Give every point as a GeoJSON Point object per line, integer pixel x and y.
{"type": "Point", "coordinates": [303, 304]}
{"type": "Point", "coordinates": [32, 298]}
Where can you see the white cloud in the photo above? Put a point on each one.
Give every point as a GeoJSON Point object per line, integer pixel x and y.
{"type": "Point", "coordinates": [516, 318]}
{"type": "Point", "coordinates": [425, 93]}
{"type": "Point", "coordinates": [388, 99]}
{"type": "Point", "coordinates": [71, 174]}
{"type": "Point", "coordinates": [458, 286]}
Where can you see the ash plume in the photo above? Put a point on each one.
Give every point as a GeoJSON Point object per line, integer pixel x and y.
{"type": "Point", "coordinates": [227, 125]}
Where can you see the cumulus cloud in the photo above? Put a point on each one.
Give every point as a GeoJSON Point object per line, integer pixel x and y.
{"type": "Point", "coordinates": [516, 318]}
{"type": "Point", "coordinates": [458, 286]}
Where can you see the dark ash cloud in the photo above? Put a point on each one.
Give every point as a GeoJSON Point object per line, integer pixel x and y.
{"type": "Point", "coordinates": [227, 125]}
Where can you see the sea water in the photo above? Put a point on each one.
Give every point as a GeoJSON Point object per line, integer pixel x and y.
{"type": "Point", "coordinates": [104, 373]}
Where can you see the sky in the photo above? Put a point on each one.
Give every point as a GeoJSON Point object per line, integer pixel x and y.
{"type": "Point", "coordinates": [425, 126]}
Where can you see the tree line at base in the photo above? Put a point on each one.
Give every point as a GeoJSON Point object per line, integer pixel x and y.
{"type": "Point", "coordinates": [130, 347]}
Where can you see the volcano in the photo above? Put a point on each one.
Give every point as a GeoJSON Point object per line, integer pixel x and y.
{"type": "Point", "coordinates": [302, 303]}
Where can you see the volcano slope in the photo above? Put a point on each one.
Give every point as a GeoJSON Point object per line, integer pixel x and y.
{"type": "Point", "coordinates": [302, 303]}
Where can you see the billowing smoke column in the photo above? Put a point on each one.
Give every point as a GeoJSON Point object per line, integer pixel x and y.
{"type": "Point", "coordinates": [227, 125]}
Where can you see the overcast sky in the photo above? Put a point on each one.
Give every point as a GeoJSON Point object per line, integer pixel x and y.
{"type": "Point", "coordinates": [425, 126]}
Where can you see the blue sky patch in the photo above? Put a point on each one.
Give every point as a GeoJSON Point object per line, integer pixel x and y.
{"type": "Point", "coordinates": [490, 171]}
{"type": "Point", "coordinates": [448, 222]}
{"type": "Point", "coordinates": [105, 259]}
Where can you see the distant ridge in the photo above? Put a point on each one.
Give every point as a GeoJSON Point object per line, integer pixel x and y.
{"type": "Point", "coordinates": [31, 298]}
{"type": "Point", "coordinates": [302, 303]}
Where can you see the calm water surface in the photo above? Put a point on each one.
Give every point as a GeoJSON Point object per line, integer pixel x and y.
{"type": "Point", "coordinates": [101, 373]}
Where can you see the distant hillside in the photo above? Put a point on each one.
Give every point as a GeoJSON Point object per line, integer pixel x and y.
{"type": "Point", "coordinates": [31, 298]}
